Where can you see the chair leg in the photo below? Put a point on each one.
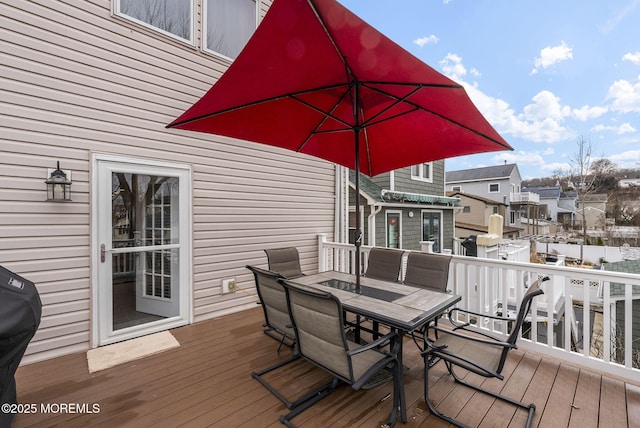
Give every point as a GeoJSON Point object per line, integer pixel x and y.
{"type": "Point", "coordinates": [314, 397]}
{"type": "Point", "coordinates": [283, 339]}
{"type": "Point", "coordinates": [288, 403]}
{"type": "Point", "coordinates": [531, 408]}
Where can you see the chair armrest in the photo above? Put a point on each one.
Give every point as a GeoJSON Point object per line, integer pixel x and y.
{"type": "Point", "coordinates": [492, 342]}
{"type": "Point", "coordinates": [458, 324]}
{"type": "Point", "coordinates": [381, 341]}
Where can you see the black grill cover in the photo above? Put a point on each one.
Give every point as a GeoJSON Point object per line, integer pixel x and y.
{"type": "Point", "coordinates": [471, 246]}
{"type": "Point", "coordinates": [20, 311]}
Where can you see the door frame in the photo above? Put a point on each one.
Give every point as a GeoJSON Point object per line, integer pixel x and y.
{"type": "Point", "coordinates": [99, 294]}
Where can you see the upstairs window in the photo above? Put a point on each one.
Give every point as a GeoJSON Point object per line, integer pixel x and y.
{"type": "Point", "coordinates": [494, 187]}
{"type": "Point", "coordinates": [172, 17]}
{"type": "Point", "coordinates": [228, 25]}
{"type": "Point", "coordinates": [422, 172]}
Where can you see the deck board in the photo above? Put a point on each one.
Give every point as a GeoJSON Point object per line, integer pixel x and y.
{"type": "Point", "coordinates": [206, 382]}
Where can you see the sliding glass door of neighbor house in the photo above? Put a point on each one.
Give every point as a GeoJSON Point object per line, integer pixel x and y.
{"type": "Point", "coordinates": [143, 245]}
{"type": "Point", "coordinates": [432, 229]}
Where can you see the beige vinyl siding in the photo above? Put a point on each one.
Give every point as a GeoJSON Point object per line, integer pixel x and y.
{"type": "Point", "coordinates": [76, 81]}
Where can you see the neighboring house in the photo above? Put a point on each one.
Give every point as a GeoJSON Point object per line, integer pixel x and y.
{"type": "Point", "coordinates": [158, 218]}
{"type": "Point", "coordinates": [592, 209]}
{"type": "Point", "coordinates": [555, 204]}
{"type": "Point", "coordinates": [472, 218]}
{"type": "Point", "coordinates": [500, 183]}
{"type": "Point", "coordinates": [401, 208]}
{"type": "Point", "coordinates": [629, 182]}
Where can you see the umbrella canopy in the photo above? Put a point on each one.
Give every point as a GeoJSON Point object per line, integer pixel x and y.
{"type": "Point", "coordinates": [316, 79]}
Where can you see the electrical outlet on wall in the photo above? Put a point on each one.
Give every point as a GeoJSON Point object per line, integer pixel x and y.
{"type": "Point", "coordinates": [228, 285]}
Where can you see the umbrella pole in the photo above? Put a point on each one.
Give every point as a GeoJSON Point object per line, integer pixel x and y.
{"type": "Point", "coordinates": [356, 130]}
{"type": "Point", "coordinates": [358, 235]}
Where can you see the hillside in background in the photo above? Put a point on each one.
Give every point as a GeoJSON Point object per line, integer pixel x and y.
{"type": "Point", "coordinates": [623, 203]}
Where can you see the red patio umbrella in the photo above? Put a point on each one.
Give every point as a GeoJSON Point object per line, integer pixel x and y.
{"type": "Point", "coordinates": [316, 79]}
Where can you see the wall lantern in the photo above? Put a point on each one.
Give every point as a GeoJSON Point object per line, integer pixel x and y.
{"type": "Point", "coordinates": [58, 185]}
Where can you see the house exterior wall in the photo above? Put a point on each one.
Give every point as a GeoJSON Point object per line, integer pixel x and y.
{"type": "Point", "coordinates": [79, 81]}
{"type": "Point", "coordinates": [507, 185]}
{"type": "Point", "coordinates": [593, 214]}
{"type": "Point", "coordinates": [479, 212]}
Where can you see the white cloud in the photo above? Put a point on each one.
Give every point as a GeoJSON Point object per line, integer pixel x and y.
{"type": "Point", "coordinates": [629, 159]}
{"type": "Point", "coordinates": [546, 106]}
{"type": "Point", "coordinates": [426, 40]}
{"type": "Point", "coordinates": [520, 157]}
{"type": "Point", "coordinates": [625, 95]}
{"type": "Point", "coordinates": [625, 128]}
{"type": "Point", "coordinates": [551, 167]}
{"type": "Point", "coordinates": [552, 55]}
{"type": "Point", "coordinates": [633, 57]}
{"type": "Point", "coordinates": [541, 123]}
{"type": "Point", "coordinates": [618, 16]}
{"type": "Point", "coordinates": [585, 113]}
{"type": "Point", "coordinates": [452, 67]}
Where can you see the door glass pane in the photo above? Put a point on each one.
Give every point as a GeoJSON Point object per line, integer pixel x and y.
{"type": "Point", "coordinates": [393, 230]}
{"type": "Point", "coordinates": [145, 281]}
{"type": "Point", "coordinates": [431, 229]}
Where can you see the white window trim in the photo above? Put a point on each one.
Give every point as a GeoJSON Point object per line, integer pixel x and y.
{"type": "Point", "coordinates": [493, 191]}
{"type": "Point", "coordinates": [456, 188]}
{"type": "Point", "coordinates": [420, 176]}
{"type": "Point", "coordinates": [203, 29]}
{"type": "Point", "coordinates": [191, 41]}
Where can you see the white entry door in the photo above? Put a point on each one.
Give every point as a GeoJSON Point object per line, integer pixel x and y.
{"type": "Point", "coordinates": [142, 251]}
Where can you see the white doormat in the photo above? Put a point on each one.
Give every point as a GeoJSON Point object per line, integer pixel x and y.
{"type": "Point", "coordinates": [129, 350]}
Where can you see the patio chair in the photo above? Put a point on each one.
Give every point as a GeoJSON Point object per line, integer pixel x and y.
{"type": "Point", "coordinates": [277, 324]}
{"type": "Point", "coordinates": [317, 320]}
{"type": "Point", "coordinates": [285, 261]}
{"type": "Point", "coordinates": [430, 271]}
{"type": "Point", "coordinates": [477, 352]}
{"type": "Point", "coordinates": [384, 264]}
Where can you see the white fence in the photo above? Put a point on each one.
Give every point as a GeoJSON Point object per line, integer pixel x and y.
{"type": "Point", "coordinates": [599, 337]}
{"type": "Point", "coordinates": [588, 253]}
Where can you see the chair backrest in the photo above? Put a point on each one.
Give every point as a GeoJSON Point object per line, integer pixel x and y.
{"type": "Point", "coordinates": [533, 291]}
{"type": "Point", "coordinates": [427, 270]}
{"type": "Point", "coordinates": [273, 299]}
{"type": "Point", "coordinates": [318, 324]}
{"type": "Point", "coordinates": [384, 264]}
{"type": "Point", "coordinates": [285, 261]}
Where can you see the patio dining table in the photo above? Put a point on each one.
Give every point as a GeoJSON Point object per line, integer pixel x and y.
{"type": "Point", "coordinates": [401, 307]}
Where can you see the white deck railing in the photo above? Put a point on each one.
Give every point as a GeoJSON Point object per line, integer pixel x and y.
{"type": "Point", "coordinates": [599, 338]}
{"type": "Point", "coordinates": [524, 197]}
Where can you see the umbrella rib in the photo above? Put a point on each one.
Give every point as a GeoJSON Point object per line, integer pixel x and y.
{"type": "Point", "coordinates": [418, 107]}
{"type": "Point", "coordinates": [257, 102]}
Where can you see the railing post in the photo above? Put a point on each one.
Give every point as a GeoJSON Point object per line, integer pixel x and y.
{"type": "Point", "coordinates": [426, 246]}
{"type": "Point", "coordinates": [322, 260]}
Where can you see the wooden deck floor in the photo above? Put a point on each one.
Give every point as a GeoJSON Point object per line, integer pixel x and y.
{"type": "Point", "coordinates": [207, 382]}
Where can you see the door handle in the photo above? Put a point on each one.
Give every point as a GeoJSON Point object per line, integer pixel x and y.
{"type": "Point", "coordinates": [103, 253]}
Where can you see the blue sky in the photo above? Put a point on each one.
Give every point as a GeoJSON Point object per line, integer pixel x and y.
{"type": "Point", "coordinates": [544, 73]}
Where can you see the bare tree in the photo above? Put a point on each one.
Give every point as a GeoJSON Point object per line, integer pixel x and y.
{"type": "Point", "coordinates": [585, 174]}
